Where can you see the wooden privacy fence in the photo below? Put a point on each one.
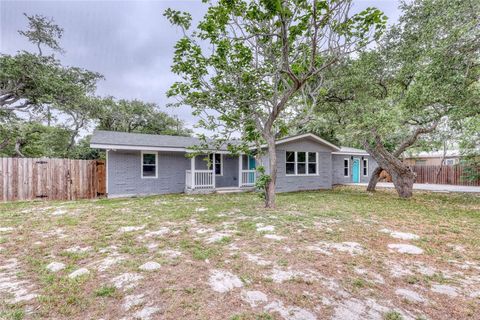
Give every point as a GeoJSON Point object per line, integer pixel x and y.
{"type": "Point", "coordinates": [455, 175]}
{"type": "Point", "coordinates": [50, 179]}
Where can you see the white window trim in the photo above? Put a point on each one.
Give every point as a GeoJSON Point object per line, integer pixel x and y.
{"type": "Point", "coordinates": [364, 166]}
{"type": "Point", "coordinates": [348, 167]}
{"type": "Point", "coordinates": [213, 164]}
{"type": "Point", "coordinates": [156, 165]}
{"type": "Point", "coordinates": [306, 164]}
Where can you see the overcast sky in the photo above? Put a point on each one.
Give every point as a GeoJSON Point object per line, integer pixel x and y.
{"type": "Point", "coordinates": [129, 42]}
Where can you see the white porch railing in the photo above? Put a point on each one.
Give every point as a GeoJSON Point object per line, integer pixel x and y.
{"type": "Point", "coordinates": [203, 179]}
{"type": "Point", "coordinates": [248, 178]}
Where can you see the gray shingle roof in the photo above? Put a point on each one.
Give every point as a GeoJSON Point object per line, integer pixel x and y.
{"type": "Point", "coordinates": [117, 138]}
{"type": "Point", "coordinates": [351, 150]}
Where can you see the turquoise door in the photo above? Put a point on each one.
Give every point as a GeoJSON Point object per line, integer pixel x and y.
{"type": "Point", "coordinates": [251, 163]}
{"type": "Point", "coordinates": [251, 166]}
{"type": "Point", "coordinates": [356, 171]}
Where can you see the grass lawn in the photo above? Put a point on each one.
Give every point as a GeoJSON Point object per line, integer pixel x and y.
{"type": "Point", "coordinates": [337, 254]}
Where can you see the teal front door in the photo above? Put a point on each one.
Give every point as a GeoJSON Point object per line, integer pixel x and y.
{"type": "Point", "coordinates": [251, 166]}
{"type": "Point", "coordinates": [356, 171]}
{"type": "Point", "coordinates": [251, 163]}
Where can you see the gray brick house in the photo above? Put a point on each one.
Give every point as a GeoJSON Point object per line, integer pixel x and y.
{"type": "Point", "coordinates": [143, 164]}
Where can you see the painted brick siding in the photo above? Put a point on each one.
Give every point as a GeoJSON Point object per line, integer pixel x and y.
{"type": "Point", "coordinates": [337, 168]}
{"type": "Point", "coordinates": [323, 180]}
{"type": "Point", "coordinates": [124, 174]}
{"type": "Point", "coordinates": [230, 172]}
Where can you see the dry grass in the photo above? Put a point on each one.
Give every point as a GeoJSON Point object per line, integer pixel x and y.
{"type": "Point", "coordinates": [326, 285]}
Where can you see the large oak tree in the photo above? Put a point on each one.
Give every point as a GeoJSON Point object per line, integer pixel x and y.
{"type": "Point", "coordinates": [245, 62]}
{"type": "Point", "coordinates": [425, 70]}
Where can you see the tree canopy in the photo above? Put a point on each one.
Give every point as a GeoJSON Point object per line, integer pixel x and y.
{"type": "Point", "coordinates": [45, 106]}
{"type": "Point", "coordinates": [423, 71]}
{"type": "Point", "coordinates": [246, 62]}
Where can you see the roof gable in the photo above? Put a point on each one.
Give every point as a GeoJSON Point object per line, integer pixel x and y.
{"type": "Point", "coordinates": [309, 136]}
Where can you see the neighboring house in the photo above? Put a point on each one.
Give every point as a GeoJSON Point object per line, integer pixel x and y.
{"type": "Point", "coordinates": [433, 158]}
{"type": "Point", "coordinates": [142, 164]}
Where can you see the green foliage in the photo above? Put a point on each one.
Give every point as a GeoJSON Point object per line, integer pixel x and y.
{"type": "Point", "coordinates": [33, 139]}
{"type": "Point", "coordinates": [137, 116]}
{"type": "Point", "coordinates": [44, 105]}
{"type": "Point", "coordinates": [392, 315]}
{"type": "Point", "coordinates": [245, 64]}
{"type": "Point", "coordinates": [262, 182]}
{"type": "Point", "coordinates": [43, 31]}
{"type": "Point", "coordinates": [423, 70]}
{"type": "Point", "coordinates": [105, 291]}
{"type": "Point", "coordinates": [259, 56]}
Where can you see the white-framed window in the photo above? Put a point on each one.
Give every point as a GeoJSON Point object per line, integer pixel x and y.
{"type": "Point", "coordinates": [346, 167]}
{"type": "Point", "coordinates": [301, 163]}
{"type": "Point", "coordinates": [365, 167]}
{"type": "Point", "coordinates": [149, 164]}
{"type": "Point", "coordinates": [218, 163]}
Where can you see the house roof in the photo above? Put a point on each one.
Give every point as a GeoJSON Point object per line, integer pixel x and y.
{"type": "Point", "coordinates": [136, 141]}
{"type": "Point", "coordinates": [433, 154]}
{"type": "Point", "coordinates": [139, 141]}
{"type": "Point", "coordinates": [349, 150]}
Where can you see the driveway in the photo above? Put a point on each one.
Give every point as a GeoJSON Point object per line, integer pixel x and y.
{"type": "Point", "coordinates": [428, 187]}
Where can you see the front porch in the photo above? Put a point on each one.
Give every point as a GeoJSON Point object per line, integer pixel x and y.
{"type": "Point", "coordinates": [222, 172]}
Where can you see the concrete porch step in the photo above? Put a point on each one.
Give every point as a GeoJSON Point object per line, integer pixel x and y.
{"type": "Point", "coordinates": [233, 189]}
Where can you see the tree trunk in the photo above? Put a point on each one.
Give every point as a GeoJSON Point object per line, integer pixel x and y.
{"type": "Point", "coordinates": [272, 156]}
{"type": "Point", "coordinates": [374, 179]}
{"type": "Point", "coordinates": [403, 182]}
{"type": "Point", "coordinates": [402, 176]}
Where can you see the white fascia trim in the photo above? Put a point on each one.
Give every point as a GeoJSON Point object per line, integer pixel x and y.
{"type": "Point", "coordinates": [306, 135]}
{"type": "Point", "coordinates": [350, 153]}
{"type": "Point", "coordinates": [140, 148]}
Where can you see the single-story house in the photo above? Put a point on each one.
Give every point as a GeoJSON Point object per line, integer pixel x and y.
{"type": "Point", "coordinates": [432, 158]}
{"type": "Point", "coordinates": [143, 164]}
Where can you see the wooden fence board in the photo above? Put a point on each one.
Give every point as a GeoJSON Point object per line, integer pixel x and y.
{"type": "Point", "coordinates": [454, 175]}
{"type": "Point", "coordinates": [50, 179]}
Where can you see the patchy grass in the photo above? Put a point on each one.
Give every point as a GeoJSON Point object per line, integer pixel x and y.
{"type": "Point", "coordinates": [308, 271]}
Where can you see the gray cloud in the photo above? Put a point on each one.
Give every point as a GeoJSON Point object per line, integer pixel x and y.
{"type": "Point", "coordinates": [129, 42]}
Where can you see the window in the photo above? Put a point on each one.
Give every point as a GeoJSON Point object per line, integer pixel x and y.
{"type": "Point", "coordinates": [420, 162]}
{"type": "Point", "coordinates": [312, 163]}
{"type": "Point", "coordinates": [218, 163]}
{"type": "Point", "coordinates": [346, 167]}
{"type": "Point", "coordinates": [290, 163]}
{"type": "Point", "coordinates": [300, 163]}
{"type": "Point", "coordinates": [365, 167]}
{"type": "Point", "coordinates": [149, 164]}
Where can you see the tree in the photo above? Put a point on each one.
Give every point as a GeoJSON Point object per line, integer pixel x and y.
{"type": "Point", "coordinates": [35, 87]}
{"type": "Point", "coordinates": [246, 61]}
{"type": "Point", "coordinates": [137, 116]}
{"type": "Point", "coordinates": [424, 70]}
{"type": "Point", "coordinates": [43, 32]}
{"type": "Point", "coordinates": [32, 139]}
